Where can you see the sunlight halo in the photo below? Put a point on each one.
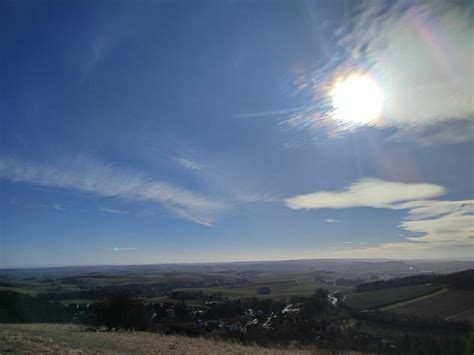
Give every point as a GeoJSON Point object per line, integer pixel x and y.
{"type": "Point", "coordinates": [357, 99]}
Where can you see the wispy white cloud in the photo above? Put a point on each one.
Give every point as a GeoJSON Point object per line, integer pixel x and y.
{"type": "Point", "coordinates": [331, 220]}
{"type": "Point", "coordinates": [114, 211]}
{"type": "Point", "coordinates": [109, 181]}
{"type": "Point", "coordinates": [441, 221]}
{"type": "Point", "coordinates": [58, 207]}
{"type": "Point", "coordinates": [421, 53]}
{"type": "Point", "coordinates": [94, 55]}
{"type": "Point", "coordinates": [347, 242]}
{"type": "Point", "coordinates": [254, 197]}
{"type": "Point", "coordinates": [427, 209]}
{"type": "Point", "coordinates": [193, 215]}
{"type": "Point", "coordinates": [189, 164]}
{"type": "Point", "coordinates": [438, 221]}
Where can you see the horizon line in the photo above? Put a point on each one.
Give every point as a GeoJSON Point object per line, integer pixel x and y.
{"type": "Point", "coordinates": [228, 262]}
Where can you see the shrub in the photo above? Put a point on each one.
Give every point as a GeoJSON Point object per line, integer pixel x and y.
{"type": "Point", "coordinates": [264, 290]}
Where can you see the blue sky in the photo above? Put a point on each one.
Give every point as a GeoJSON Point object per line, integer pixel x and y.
{"type": "Point", "coordinates": [156, 132]}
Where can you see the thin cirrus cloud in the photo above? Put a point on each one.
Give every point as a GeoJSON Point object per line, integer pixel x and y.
{"type": "Point", "coordinates": [189, 164]}
{"type": "Point", "coordinates": [331, 220]}
{"type": "Point", "coordinates": [109, 181]}
{"type": "Point", "coordinates": [113, 211]}
{"type": "Point", "coordinates": [58, 207]}
{"type": "Point", "coordinates": [421, 55]}
{"type": "Point", "coordinates": [438, 221]}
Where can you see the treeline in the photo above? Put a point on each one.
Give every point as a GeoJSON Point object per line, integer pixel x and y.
{"type": "Point", "coordinates": [461, 280]}
{"type": "Point", "coordinates": [21, 308]}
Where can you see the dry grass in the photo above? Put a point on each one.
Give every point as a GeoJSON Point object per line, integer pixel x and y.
{"type": "Point", "coordinates": [73, 339]}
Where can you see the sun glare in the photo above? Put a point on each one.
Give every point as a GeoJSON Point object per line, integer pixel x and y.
{"type": "Point", "coordinates": [357, 99]}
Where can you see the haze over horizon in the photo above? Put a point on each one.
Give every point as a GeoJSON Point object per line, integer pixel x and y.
{"type": "Point", "coordinates": [229, 262]}
{"type": "Point", "coordinates": [171, 132]}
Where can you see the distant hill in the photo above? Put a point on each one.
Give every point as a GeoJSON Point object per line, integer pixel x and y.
{"type": "Point", "coordinates": [73, 339]}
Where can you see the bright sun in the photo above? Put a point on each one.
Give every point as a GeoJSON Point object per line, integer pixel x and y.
{"type": "Point", "coordinates": [357, 99]}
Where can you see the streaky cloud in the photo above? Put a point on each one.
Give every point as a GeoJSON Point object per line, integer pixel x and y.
{"type": "Point", "coordinates": [189, 164]}
{"type": "Point", "coordinates": [58, 206]}
{"type": "Point", "coordinates": [113, 211]}
{"type": "Point", "coordinates": [109, 181]}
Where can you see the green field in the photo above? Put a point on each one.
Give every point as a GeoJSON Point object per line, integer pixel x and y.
{"type": "Point", "coordinates": [35, 288]}
{"type": "Point", "coordinates": [379, 298]}
{"type": "Point", "coordinates": [453, 304]}
{"type": "Point", "coordinates": [29, 291]}
{"type": "Point", "coordinates": [280, 288]}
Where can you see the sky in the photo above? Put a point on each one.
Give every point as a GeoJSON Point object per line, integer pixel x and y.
{"type": "Point", "coordinates": [195, 131]}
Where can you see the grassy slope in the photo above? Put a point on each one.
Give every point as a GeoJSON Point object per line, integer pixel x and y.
{"type": "Point", "coordinates": [372, 299]}
{"type": "Point", "coordinates": [71, 339]}
{"type": "Point", "coordinates": [443, 304]}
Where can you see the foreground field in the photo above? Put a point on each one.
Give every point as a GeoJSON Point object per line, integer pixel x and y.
{"type": "Point", "coordinates": [451, 304]}
{"type": "Point", "coordinates": [374, 299]}
{"type": "Point", "coordinates": [71, 339]}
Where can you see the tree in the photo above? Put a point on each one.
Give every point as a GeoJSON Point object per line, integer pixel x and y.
{"type": "Point", "coordinates": [120, 311]}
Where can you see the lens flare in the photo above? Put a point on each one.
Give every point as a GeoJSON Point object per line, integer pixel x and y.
{"type": "Point", "coordinates": [357, 99]}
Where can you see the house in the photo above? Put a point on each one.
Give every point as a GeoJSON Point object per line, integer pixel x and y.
{"type": "Point", "coordinates": [290, 309]}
